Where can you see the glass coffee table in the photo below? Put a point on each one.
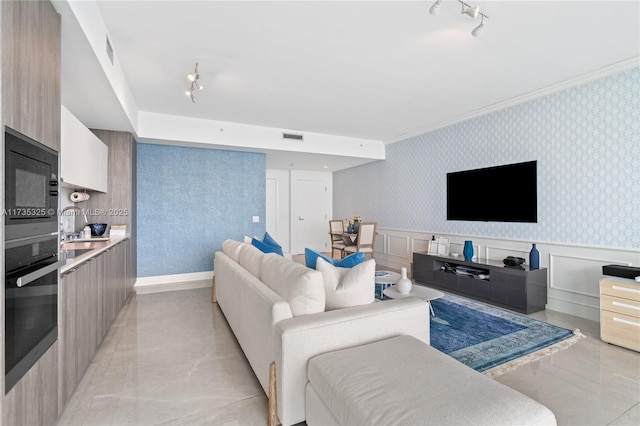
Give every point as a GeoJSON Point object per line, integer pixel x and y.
{"type": "Point", "coordinates": [421, 292]}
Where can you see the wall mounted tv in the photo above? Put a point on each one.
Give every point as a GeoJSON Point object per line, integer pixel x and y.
{"type": "Point", "coordinates": [494, 194]}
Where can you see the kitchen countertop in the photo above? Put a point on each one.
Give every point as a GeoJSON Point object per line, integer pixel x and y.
{"type": "Point", "coordinates": [96, 247]}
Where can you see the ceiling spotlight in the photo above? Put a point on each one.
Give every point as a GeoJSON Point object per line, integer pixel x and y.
{"type": "Point", "coordinates": [472, 11]}
{"type": "Point", "coordinates": [435, 8]}
{"type": "Point", "coordinates": [476, 31]}
{"type": "Point", "coordinates": [193, 78]}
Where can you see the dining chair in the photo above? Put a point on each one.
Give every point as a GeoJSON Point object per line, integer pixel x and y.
{"type": "Point", "coordinates": [336, 229]}
{"type": "Point", "coordinates": [365, 240]}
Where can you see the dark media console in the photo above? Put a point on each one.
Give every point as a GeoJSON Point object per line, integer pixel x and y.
{"type": "Point", "coordinates": [517, 288]}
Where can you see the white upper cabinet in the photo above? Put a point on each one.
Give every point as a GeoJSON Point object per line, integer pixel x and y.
{"type": "Point", "coordinates": [83, 157]}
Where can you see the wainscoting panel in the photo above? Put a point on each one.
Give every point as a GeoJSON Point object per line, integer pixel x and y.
{"type": "Point", "coordinates": [380, 245]}
{"type": "Point", "coordinates": [398, 246]}
{"type": "Point", "coordinates": [575, 274]}
{"type": "Point", "coordinates": [457, 247]}
{"type": "Point", "coordinates": [573, 271]}
{"type": "Point", "coordinates": [500, 252]}
{"type": "Point", "coordinates": [419, 245]}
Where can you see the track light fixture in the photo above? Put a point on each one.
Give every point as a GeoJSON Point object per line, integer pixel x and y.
{"type": "Point", "coordinates": [467, 9]}
{"type": "Point", "coordinates": [193, 78]}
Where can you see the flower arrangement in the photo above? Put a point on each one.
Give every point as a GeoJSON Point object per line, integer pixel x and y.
{"type": "Point", "coordinates": [354, 223]}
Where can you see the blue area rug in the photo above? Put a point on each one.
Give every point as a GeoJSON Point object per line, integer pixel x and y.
{"type": "Point", "coordinates": [482, 336]}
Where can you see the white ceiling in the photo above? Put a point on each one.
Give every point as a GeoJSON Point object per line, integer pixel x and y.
{"type": "Point", "coordinates": [379, 70]}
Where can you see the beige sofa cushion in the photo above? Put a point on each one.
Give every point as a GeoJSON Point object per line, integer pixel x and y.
{"type": "Point", "coordinates": [250, 258]}
{"type": "Point", "coordinates": [301, 287]}
{"type": "Point", "coordinates": [232, 248]}
{"type": "Point", "coordinates": [403, 381]}
{"type": "Point", "coordinates": [346, 287]}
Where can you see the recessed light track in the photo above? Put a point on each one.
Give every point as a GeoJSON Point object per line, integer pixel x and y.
{"type": "Point", "coordinates": [193, 78]}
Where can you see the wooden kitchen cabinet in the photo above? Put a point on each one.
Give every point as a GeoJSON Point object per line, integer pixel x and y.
{"type": "Point", "coordinates": [78, 301]}
{"type": "Point", "coordinates": [34, 399]}
{"type": "Point", "coordinates": [67, 315]}
{"type": "Point", "coordinates": [90, 297]}
{"type": "Point", "coordinates": [31, 67]}
{"type": "Point", "coordinates": [119, 202]}
{"type": "Point", "coordinates": [30, 61]}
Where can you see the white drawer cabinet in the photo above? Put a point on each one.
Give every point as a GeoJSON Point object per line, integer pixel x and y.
{"type": "Point", "coordinates": [83, 157]}
{"type": "Point", "coordinates": [620, 312]}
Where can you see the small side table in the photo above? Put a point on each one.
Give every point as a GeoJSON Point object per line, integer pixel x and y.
{"type": "Point", "coordinates": [385, 279]}
{"type": "Point", "coordinates": [425, 293]}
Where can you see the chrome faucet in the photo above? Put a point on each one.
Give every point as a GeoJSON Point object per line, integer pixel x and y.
{"type": "Point", "coordinates": [63, 235]}
{"type": "Point", "coordinates": [84, 215]}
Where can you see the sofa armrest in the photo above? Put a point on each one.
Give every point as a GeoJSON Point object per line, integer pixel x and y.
{"type": "Point", "coordinates": [299, 339]}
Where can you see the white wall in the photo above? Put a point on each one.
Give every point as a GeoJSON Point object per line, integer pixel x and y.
{"type": "Point", "coordinates": [586, 141]}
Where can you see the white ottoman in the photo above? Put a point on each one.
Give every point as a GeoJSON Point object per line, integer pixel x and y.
{"type": "Point", "coordinates": [402, 381]}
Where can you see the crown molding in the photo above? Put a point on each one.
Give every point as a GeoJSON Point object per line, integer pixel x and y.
{"type": "Point", "coordinates": [554, 88]}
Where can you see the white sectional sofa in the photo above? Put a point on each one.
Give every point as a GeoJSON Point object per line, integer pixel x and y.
{"type": "Point", "coordinates": [275, 308]}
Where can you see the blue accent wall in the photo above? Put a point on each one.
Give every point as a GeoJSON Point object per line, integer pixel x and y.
{"type": "Point", "coordinates": [190, 200]}
{"type": "Point", "coordinates": [586, 140]}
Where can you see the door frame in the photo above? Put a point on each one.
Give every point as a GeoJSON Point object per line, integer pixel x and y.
{"type": "Point", "coordinates": [297, 175]}
{"type": "Point", "coordinates": [281, 204]}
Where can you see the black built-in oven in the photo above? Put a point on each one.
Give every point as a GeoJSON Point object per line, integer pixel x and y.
{"type": "Point", "coordinates": [31, 303]}
{"type": "Point", "coordinates": [31, 253]}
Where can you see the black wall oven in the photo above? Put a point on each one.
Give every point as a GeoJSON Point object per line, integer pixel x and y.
{"type": "Point", "coordinates": [31, 253]}
{"type": "Point", "coordinates": [31, 303]}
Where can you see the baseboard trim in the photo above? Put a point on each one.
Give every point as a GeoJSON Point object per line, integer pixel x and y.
{"type": "Point", "coordinates": [575, 309]}
{"type": "Point", "coordinates": [161, 283]}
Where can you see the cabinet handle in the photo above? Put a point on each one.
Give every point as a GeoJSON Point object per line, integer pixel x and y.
{"type": "Point", "coordinates": [624, 321]}
{"type": "Point", "coordinates": [67, 272]}
{"type": "Point", "coordinates": [629, 290]}
{"type": "Point", "coordinates": [626, 305]}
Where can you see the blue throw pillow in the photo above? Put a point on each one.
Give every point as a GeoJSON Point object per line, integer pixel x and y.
{"type": "Point", "coordinates": [311, 257]}
{"type": "Point", "coordinates": [268, 239]}
{"type": "Point", "coordinates": [350, 261]}
{"type": "Point", "coordinates": [266, 248]}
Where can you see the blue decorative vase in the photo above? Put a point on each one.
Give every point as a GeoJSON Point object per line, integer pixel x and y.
{"type": "Point", "coordinates": [356, 227]}
{"type": "Point", "coordinates": [350, 229]}
{"type": "Point", "coordinates": [534, 258]}
{"type": "Point", "coordinates": [467, 251]}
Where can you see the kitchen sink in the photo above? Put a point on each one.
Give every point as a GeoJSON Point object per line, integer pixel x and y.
{"type": "Point", "coordinates": [73, 253]}
{"type": "Point", "coordinates": [88, 240]}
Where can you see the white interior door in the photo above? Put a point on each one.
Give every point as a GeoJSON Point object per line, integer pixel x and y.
{"type": "Point", "coordinates": [277, 207]}
{"type": "Point", "coordinates": [311, 207]}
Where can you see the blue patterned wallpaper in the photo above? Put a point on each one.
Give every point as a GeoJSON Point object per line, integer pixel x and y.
{"type": "Point", "coordinates": [586, 140]}
{"type": "Point", "coordinates": [190, 200]}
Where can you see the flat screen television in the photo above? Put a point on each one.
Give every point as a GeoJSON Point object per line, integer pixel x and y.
{"type": "Point", "coordinates": [494, 194]}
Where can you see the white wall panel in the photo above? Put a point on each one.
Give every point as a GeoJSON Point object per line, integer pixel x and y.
{"type": "Point", "coordinates": [398, 246]}
{"type": "Point", "coordinates": [577, 274]}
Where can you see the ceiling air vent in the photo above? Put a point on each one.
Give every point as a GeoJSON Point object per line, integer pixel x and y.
{"type": "Point", "coordinates": [109, 50]}
{"type": "Point", "coordinates": [292, 136]}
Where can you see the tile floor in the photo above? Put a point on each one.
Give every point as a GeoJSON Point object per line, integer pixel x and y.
{"type": "Point", "coordinates": [170, 358]}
